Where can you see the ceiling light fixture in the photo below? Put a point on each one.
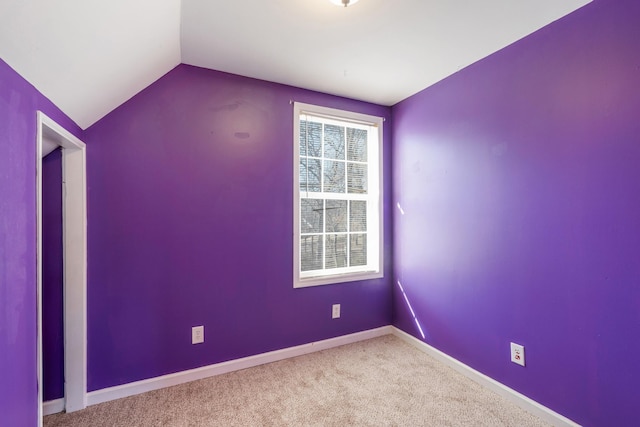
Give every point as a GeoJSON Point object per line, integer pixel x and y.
{"type": "Point", "coordinates": [344, 3]}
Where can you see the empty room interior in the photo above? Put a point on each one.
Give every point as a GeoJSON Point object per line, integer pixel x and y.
{"type": "Point", "coordinates": [232, 184]}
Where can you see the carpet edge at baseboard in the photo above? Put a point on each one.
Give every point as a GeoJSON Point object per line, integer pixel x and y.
{"type": "Point", "coordinates": [137, 387]}
{"type": "Point", "coordinates": [508, 393]}
{"type": "Point", "coordinates": [50, 407]}
{"type": "Point", "coordinates": [143, 386]}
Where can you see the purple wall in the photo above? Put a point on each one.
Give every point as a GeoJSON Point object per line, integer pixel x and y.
{"type": "Point", "coordinates": [190, 223]}
{"type": "Point", "coordinates": [52, 278]}
{"type": "Point", "coordinates": [18, 104]}
{"type": "Point", "coordinates": [519, 178]}
{"type": "Point", "coordinates": [516, 182]}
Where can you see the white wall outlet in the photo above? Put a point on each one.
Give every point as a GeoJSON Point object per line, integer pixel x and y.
{"type": "Point", "coordinates": [335, 311]}
{"type": "Point", "coordinates": [517, 353]}
{"type": "Point", "coordinates": [197, 335]}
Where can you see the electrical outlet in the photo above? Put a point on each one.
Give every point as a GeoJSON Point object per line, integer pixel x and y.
{"type": "Point", "coordinates": [335, 311]}
{"type": "Point", "coordinates": [197, 335]}
{"type": "Point", "coordinates": [517, 353]}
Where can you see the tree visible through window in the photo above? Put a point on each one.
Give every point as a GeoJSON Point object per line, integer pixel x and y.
{"type": "Point", "coordinates": [337, 196]}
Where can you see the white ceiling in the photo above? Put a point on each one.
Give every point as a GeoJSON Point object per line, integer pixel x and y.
{"type": "Point", "coordinates": [89, 56]}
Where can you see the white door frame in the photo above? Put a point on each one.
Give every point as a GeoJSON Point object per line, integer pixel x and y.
{"type": "Point", "coordinates": [74, 228]}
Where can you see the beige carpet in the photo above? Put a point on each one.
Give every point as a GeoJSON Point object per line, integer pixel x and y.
{"type": "Point", "coordinates": [379, 382]}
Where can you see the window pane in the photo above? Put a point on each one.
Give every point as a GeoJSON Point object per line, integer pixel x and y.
{"type": "Point", "coordinates": [334, 142]}
{"type": "Point", "coordinates": [303, 175]}
{"type": "Point", "coordinates": [310, 138]}
{"type": "Point", "coordinates": [358, 216]}
{"type": "Point", "coordinates": [357, 178]}
{"type": "Point", "coordinates": [336, 245]}
{"type": "Point", "coordinates": [357, 145]}
{"type": "Point", "coordinates": [311, 216]}
{"type": "Point", "coordinates": [310, 173]}
{"type": "Point", "coordinates": [333, 176]}
{"type": "Point", "coordinates": [336, 216]}
{"type": "Point", "coordinates": [310, 253]}
{"type": "Point", "coordinates": [338, 200]}
{"type": "Point", "coordinates": [358, 250]}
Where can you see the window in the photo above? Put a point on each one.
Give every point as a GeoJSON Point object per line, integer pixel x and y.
{"type": "Point", "coordinates": [337, 196]}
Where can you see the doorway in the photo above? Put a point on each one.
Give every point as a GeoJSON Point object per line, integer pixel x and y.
{"type": "Point", "coordinates": [50, 136]}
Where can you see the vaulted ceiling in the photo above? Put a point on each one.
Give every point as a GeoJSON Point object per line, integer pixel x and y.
{"type": "Point", "coordinates": [90, 56]}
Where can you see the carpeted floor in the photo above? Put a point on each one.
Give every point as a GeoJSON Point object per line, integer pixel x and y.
{"type": "Point", "coordinates": [379, 382]}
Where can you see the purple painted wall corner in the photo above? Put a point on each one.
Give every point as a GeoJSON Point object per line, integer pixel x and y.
{"type": "Point", "coordinates": [511, 214]}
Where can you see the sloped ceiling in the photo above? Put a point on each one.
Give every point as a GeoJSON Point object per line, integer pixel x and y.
{"type": "Point", "coordinates": [89, 56]}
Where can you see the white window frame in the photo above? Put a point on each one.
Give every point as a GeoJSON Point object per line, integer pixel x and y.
{"type": "Point", "coordinates": [375, 221]}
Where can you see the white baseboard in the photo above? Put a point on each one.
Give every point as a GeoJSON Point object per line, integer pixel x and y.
{"type": "Point", "coordinates": [130, 389]}
{"type": "Point", "coordinates": [51, 407]}
{"type": "Point", "coordinates": [513, 396]}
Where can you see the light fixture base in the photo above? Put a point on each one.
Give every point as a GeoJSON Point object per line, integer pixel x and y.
{"type": "Point", "coordinates": [344, 3]}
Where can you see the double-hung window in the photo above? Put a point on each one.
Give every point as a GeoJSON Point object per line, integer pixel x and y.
{"type": "Point", "coordinates": [337, 196]}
